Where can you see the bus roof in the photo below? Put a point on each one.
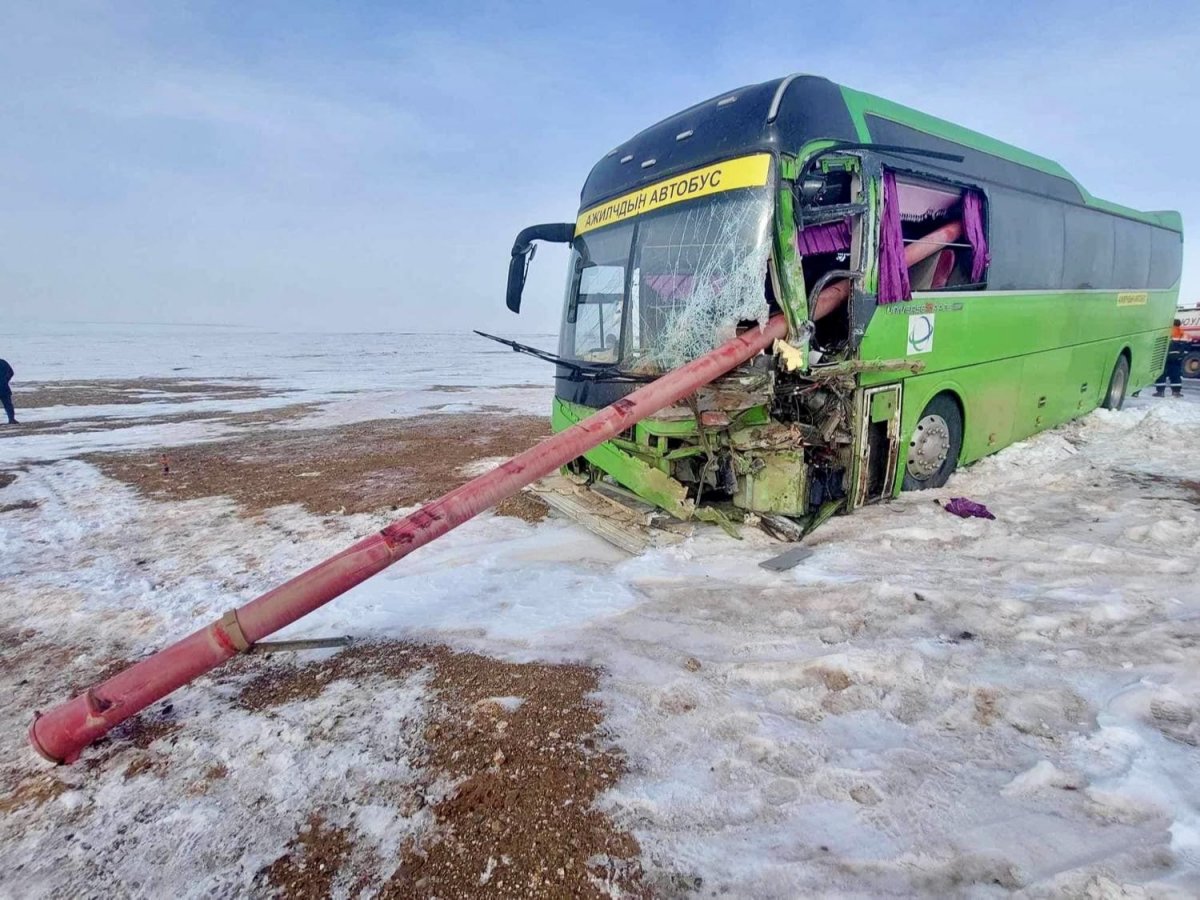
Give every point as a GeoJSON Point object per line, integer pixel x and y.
{"type": "Point", "coordinates": [784, 114]}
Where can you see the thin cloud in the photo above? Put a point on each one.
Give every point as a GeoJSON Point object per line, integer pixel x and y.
{"type": "Point", "coordinates": [358, 167]}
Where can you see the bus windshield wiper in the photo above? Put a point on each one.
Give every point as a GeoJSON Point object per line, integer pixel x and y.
{"type": "Point", "coordinates": [579, 370]}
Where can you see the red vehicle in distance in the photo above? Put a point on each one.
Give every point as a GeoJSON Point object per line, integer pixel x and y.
{"type": "Point", "coordinates": [1190, 319]}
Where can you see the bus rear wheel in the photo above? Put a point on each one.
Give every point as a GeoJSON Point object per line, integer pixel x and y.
{"type": "Point", "coordinates": [1117, 384]}
{"type": "Point", "coordinates": [935, 445]}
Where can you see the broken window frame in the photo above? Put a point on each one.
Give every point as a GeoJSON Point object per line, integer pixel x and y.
{"type": "Point", "coordinates": [862, 210]}
{"type": "Point", "coordinates": [867, 208]}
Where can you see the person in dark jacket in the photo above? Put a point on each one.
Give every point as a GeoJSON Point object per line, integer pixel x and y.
{"type": "Point", "coordinates": [6, 374]}
{"type": "Point", "coordinates": [1173, 370]}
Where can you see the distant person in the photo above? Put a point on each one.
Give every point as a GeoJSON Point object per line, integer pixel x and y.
{"type": "Point", "coordinates": [6, 374]}
{"type": "Point", "coordinates": [1173, 370]}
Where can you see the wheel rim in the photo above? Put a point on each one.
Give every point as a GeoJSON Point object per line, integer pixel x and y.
{"type": "Point", "coordinates": [929, 447]}
{"type": "Point", "coordinates": [1191, 366]}
{"type": "Point", "coordinates": [1116, 390]}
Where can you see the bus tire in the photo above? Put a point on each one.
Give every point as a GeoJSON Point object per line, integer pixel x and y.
{"type": "Point", "coordinates": [1118, 382]}
{"type": "Point", "coordinates": [935, 445]}
{"type": "Point", "coordinates": [1191, 364]}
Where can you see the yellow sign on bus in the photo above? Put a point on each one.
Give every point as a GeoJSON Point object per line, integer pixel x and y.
{"type": "Point", "coordinates": [743, 172]}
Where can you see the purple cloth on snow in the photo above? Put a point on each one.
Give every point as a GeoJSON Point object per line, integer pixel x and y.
{"type": "Point", "coordinates": [893, 271]}
{"type": "Point", "coordinates": [973, 227]}
{"type": "Point", "coordinates": [965, 508]}
{"type": "Point", "coordinates": [831, 237]}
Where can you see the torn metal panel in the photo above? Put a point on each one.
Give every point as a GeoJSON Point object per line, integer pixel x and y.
{"type": "Point", "coordinates": [619, 522]}
{"type": "Point", "coordinates": [777, 485]}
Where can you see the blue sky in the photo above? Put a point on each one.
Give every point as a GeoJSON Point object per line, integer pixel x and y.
{"type": "Point", "coordinates": [365, 166]}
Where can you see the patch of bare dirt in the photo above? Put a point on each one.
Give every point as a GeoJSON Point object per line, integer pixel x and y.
{"type": "Point", "coordinates": [277, 683]}
{"type": "Point", "coordinates": [123, 391]}
{"type": "Point", "coordinates": [26, 656]}
{"type": "Point", "coordinates": [521, 820]}
{"type": "Point", "coordinates": [7, 478]}
{"type": "Point", "coordinates": [251, 419]}
{"type": "Point", "coordinates": [523, 741]}
{"type": "Point", "coordinates": [525, 506]}
{"type": "Point", "coordinates": [313, 859]}
{"type": "Point", "coordinates": [33, 790]}
{"type": "Point", "coordinates": [364, 467]}
{"type": "Point", "coordinates": [986, 710]}
{"type": "Point", "coordinates": [21, 504]}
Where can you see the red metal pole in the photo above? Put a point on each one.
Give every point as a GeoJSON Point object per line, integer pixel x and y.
{"type": "Point", "coordinates": [62, 733]}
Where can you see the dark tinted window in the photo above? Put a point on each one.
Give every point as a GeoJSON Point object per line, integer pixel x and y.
{"type": "Point", "coordinates": [1025, 236]}
{"type": "Point", "coordinates": [1088, 250]}
{"type": "Point", "coordinates": [1166, 257]}
{"type": "Point", "coordinates": [1131, 262]}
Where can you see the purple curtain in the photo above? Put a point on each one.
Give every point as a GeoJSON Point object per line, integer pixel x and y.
{"type": "Point", "coordinates": [973, 226]}
{"type": "Point", "coordinates": [832, 237]}
{"type": "Point", "coordinates": [893, 271]}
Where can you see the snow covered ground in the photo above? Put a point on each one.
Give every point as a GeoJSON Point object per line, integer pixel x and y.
{"type": "Point", "coordinates": [926, 705]}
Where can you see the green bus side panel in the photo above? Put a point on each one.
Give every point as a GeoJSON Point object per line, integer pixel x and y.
{"type": "Point", "coordinates": [1049, 357]}
{"type": "Point", "coordinates": [970, 327]}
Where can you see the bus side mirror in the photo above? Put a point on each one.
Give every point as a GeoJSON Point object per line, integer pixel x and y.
{"type": "Point", "coordinates": [517, 267]}
{"type": "Point", "coordinates": [522, 254]}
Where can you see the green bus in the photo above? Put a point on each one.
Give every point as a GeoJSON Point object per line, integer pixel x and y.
{"type": "Point", "coordinates": [946, 294]}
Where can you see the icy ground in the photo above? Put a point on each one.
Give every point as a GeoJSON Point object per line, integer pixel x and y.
{"type": "Point", "coordinates": [928, 705]}
{"type": "Point", "coordinates": [351, 377]}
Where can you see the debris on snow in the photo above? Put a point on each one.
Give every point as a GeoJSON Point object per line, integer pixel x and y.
{"type": "Point", "coordinates": [965, 509]}
{"type": "Point", "coordinates": [789, 559]}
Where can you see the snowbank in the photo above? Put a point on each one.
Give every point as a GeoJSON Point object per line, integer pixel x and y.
{"type": "Point", "coordinates": [926, 705]}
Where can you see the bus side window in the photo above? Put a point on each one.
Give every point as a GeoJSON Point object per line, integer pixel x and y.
{"type": "Point", "coordinates": [943, 231]}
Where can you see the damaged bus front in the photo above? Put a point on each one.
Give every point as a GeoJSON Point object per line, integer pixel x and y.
{"type": "Point", "coordinates": [663, 273]}
{"type": "Point", "coordinates": [799, 197]}
{"type": "Point", "coordinates": [658, 277]}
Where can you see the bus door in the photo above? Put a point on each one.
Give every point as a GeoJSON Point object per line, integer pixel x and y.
{"type": "Point", "coordinates": [877, 444]}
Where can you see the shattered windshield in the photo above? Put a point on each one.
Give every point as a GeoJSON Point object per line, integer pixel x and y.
{"type": "Point", "coordinates": [656, 292]}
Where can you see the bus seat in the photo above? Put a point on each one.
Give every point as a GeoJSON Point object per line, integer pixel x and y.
{"type": "Point", "coordinates": [933, 271]}
{"type": "Point", "coordinates": [943, 269]}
